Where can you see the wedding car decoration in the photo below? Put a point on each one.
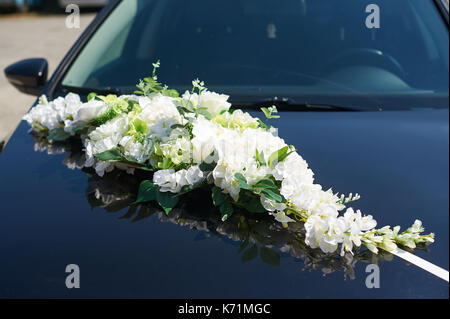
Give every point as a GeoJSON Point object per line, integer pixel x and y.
{"type": "Point", "coordinates": [197, 141]}
{"type": "Point", "coordinates": [260, 236]}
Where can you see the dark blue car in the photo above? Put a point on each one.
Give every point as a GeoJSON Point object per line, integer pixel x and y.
{"type": "Point", "coordinates": [363, 91]}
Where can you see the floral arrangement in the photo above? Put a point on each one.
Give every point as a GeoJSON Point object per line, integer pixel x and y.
{"type": "Point", "coordinates": [197, 141]}
{"type": "Point", "coordinates": [259, 235]}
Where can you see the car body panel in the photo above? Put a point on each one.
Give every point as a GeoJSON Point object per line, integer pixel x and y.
{"type": "Point", "coordinates": [397, 161]}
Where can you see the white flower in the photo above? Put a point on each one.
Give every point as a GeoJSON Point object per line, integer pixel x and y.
{"type": "Point", "coordinates": [160, 113]}
{"type": "Point", "coordinates": [355, 226]}
{"type": "Point", "coordinates": [237, 120]}
{"type": "Point", "coordinates": [172, 181]}
{"type": "Point", "coordinates": [166, 179]}
{"type": "Point", "coordinates": [136, 150]}
{"type": "Point", "coordinates": [271, 205]}
{"type": "Point", "coordinates": [213, 102]}
{"type": "Point", "coordinates": [90, 110]}
{"type": "Point", "coordinates": [43, 116]}
{"type": "Point", "coordinates": [104, 138]}
{"type": "Point", "coordinates": [72, 105]}
{"type": "Point", "coordinates": [178, 147]}
{"type": "Point", "coordinates": [206, 136]}
{"type": "Point", "coordinates": [324, 229]}
{"type": "Point", "coordinates": [192, 97]}
{"type": "Point", "coordinates": [281, 217]}
{"type": "Point", "coordinates": [83, 113]}
{"type": "Point", "coordinates": [295, 168]}
{"type": "Point", "coordinates": [194, 175]}
{"type": "Point", "coordinates": [108, 135]}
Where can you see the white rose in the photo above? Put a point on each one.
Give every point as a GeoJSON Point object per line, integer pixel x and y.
{"type": "Point", "coordinates": [194, 175]}
{"type": "Point", "coordinates": [90, 110]}
{"type": "Point", "coordinates": [213, 102]}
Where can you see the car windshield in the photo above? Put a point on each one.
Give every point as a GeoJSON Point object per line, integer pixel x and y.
{"type": "Point", "coordinates": [393, 55]}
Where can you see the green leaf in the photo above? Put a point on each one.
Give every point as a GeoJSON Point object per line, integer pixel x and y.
{"type": "Point", "coordinates": [207, 167]}
{"type": "Point", "coordinates": [264, 125]}
{"type": "Point", "coordinates": [226, 209]}
{"type": "Point", "coordinates": [79, 128]}
{"type": "Point", "coordinates": [91, 96]}
{"type": "Point", "coordinates": [268, 113]}
{"type": "Point", "coordinates": [170, 93]}
{"type": "Point", "coordinates": [250, 254]}
{"type": "Point", "coordinates": [144, 212]}
{"type": "Point", "coordinates": [218, 196]}
{"type": "Point", "coordinates": [58, 135]}
{"type": "Point", "coordinates": [167, 201]}
{"type": "Point", "coordinates": [251, 203]}
{"type": "Point", "coordinates": [266, 183]}
{"type": "Point", "coordinates": [112, 155]}
{"type": "Point", "coordinates": [270, 194]}
{"type": "Point", "coordinates": [187, 106]}
{"type": "Point", "coordinates": [270, 256]}
{"type": "Point", "coordinates": [260, 157]}
{"type": "Point", "coordinates": [241, 178]}
{"type": "Point", "coordinates": [147, 192]}
{"type": "Point", "coordinates": [204, 111]}
{"type": "Point", "coordinates": [177, 126]}
{"type": "Point", "coordinates": [243, 245]}
{"type": "Point", "coordinates": [242, 182]}
{"type": "Point", "coordinates": [278, 156]}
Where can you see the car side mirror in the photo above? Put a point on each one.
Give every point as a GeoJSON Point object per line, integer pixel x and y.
{"type": "Point", "coordinates": [28, 76]}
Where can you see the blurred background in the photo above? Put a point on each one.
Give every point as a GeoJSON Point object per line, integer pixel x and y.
{"type": "Point", "coordinates": [29, 29]}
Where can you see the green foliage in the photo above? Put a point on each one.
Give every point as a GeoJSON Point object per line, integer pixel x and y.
{"type": "Point", "coordinates": [266, 183]}
{"type": "Point", "coordinates": [242, 182]}
{"type": "Point", "coordinates": [112, 155]}
{"type": "Point", "coordinates": [263, 125]}
{"type": "Point", "coordinates": [273, 194]}
{"type": "Point", "coordinates": [269, 111]}
{"type": "Point", "coordinates": [199, 85]}
{"type": "Point", "coordinates": [147, 192]}
{"type": "Point", "coordinates": [226, 209]}
{"type": "Point", "coordinates": [150, 85]}
{"type": "Point", "coordinates": [91, 96]}
{"type": "Point", "coordinates": [58, 135]}
{"type": "Point", "coordinates": [204, 111]}
{"type": "Point", "coordinates": [250, 254]}
{"type": "Point", "coordinates": [218, 196]}
{"type": "Point", "coordinates": [250, 202]}
{"type": "Point", "coordinates": [280, 155]}
{"type": "Point", "coordinates": [270, 256]}
{"type": "Point", "coordinates": [260, 157]}
{"type": "Point", "coordinates": [221, 200]}
{"type": "Point", "coordinates": [109, 114]}
{"type": "Point", "coordinates": [167, 201]}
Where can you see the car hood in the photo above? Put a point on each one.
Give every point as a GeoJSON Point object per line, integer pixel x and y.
{"type": "Point", "coordinates": [397, 160]}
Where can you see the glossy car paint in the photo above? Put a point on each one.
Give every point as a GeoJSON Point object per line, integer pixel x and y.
{"type": "Point", "coordinates": [397, 160]}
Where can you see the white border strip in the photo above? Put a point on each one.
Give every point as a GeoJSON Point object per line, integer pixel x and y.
{"type": "Point", "coordinates": [422, 263]}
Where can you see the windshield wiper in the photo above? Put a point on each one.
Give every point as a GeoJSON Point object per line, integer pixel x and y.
{"type": "Point", "coordinates": [289, 104]}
